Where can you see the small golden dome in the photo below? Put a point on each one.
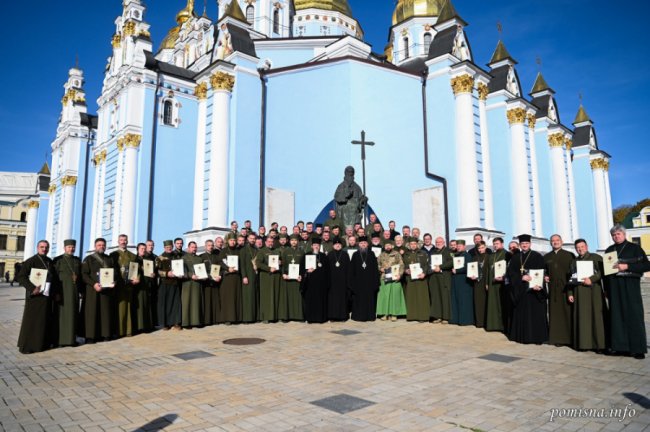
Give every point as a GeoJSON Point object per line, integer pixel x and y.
{"type": "Point", "coordinates": [406, 9]}
{"type": "Point", "coordinates": [333, 5]}
{"type": "Point", "coordinates": [186, 13]}
{"type": "Point", "coordinates": [170, 40]}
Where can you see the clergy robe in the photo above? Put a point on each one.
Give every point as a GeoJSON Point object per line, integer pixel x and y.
{"type": "Point", "coordinates": [417, 290]}
{"type": "Point", "coordinates": [191, 293]}
{"type": "Point", "coordinates": [230, 290]}
{"type": "Point", "coordinates": [141, 301]}
{"type": "Point", "coordinates": [169, 295]}
{"type": "Point", "coordinates": [67, 272]}
{"type": "Point", "coordinates": [481, 286]}
{"type": "Point", "coordinates": [499, 301]}
{"type": "Point", "coordinates": [626, 325]}
{"type": "Point", "coordinates": [558, 268]}
{"type": "Point", "coordinates": [269, 285]}
{"type": "Point", "coordinates": [462, 294]}
{"type": "Point", "coordinates": [338, 295]}
{"type": "Point", "coordinates": [364, 285]}
{"type": "Point", "coordinates": [390, 301]}
{"type": "Point", "coordinates": [152, 284]}
{"type": "Point", "coordinates": [211, 303]}
{"type": "Point", "coordinates": [440, 286]}
{"type": "Point", "coordinates": [314, 288]}
{"type": "Point", "coordinates": [291, 288]}
{"type": "Point", "coordinates": [99, 310]}
{"type": "Point", "coordinates": [124, 290]}
{"type": "Point", "coordinates": [249, 290]}
{"type": "Point", "coordinates": [589, 308]}
{"type": "Point", "coordinates": [529, 322]}
{"type": "Point", "coordinates": [35, 329]}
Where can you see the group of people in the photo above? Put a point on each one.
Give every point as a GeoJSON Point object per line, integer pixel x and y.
{"type": "Point", "coordinates": [318, 273]}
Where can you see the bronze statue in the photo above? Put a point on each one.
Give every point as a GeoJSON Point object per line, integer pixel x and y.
{"type": "Point", "coordinates": [350, 200]}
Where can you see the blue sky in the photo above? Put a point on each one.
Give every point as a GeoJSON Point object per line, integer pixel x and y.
{"type": "Point", "coordinates": [595, 47]}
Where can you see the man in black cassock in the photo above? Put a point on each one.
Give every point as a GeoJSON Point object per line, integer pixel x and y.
{"type": "Point", "coordinates": [35, 329]}
{"type": "Point", "coordinates": [338, 296]}
{"type": "Point", "coordinates": [558, 272]}
{"type": "Point", "coordinates": [626, 325]}
{"type": "Point", "coordinates": [364, 282]}
{"type": "Point", "coordinates": [529, 322]}
{"type": "Point", "coordinates": [315, 284]}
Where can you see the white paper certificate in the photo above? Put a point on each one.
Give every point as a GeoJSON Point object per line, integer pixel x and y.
{"type": "Point", "coordinates": [233, 262]}
{"type": "Point", "coordinates": [351, 252]}
{"type": "Point", "coordinates": [376, 250]}
{"type": "Point", "coordinates": [436, 260]}
{"type": "Point", "coordinates": [147, 267]}
{"type": "Point", "coordinates": [585, 269]}
{"type": "Point", "coordinates": [537, 276]}
{"type": "Point", "coordinates": [177, 268]}
{"type": "Point", "coordinates": [200, 271]}
{"type": "Point", "coordinates": [133, 271]}
{"type": "Point", "coordinates": [459, 262]}
{"type": "Point", "coordinates": [310, 262]}
{"type": "Point", "coordinates": [38, 277]}
{"type": "Point", "coordinates": [500, 269]}
{"type": "Point", "coordinates": [472, 270]}
{"type": "Point", "coordinates": [609, 259]}
{"type": "Point", "coordinates": [274, 261]}
{"type": "Point", "coordinates": [416, 270]}
{"type": "Point", "coordinates": [294, 271]}
{"type": "Point", "coordinates": [106, 278]}
{"type": "Point", "coordinates": [215, 271]}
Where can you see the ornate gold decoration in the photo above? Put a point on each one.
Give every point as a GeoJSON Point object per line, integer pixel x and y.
{"type": "Point", "coordinates": [568, 142]}
{"type": "Point", "coordinates": [51, 189]}
{"type": "Point", "coordinates": [516, 116]}
{"type": "Point", "coordinates": [333, 5]}
{"type": "Point", "coordinates": [170, 40]}
{"type": "Point", "coordinates": [222, 81]}
{"type": "Point", "coordinates": [556, 140]}
{"type": "Point", "coordinates": [117, 40]}
{"type": "Point", "coordinates": [33, 204]}
{"type": "Point", "coordinates": [144, 33]}
{"type": "Point", "coordinates": [69, 181]}
{"type": "Point", "coordinates": [531, 121]}
{"type": "Point", "coordinates": [201, 91]}
{"type": "Point", "coordinates": [100, 157]}
{"type": "Point", "coordinates": [129, 29]}
{"type": "Point", "coordinates": [462, 84]}
{"type": "Point", "coordinates": [129, 140]}
{"type": "Point", "coordinates": [406, 9]}
{"type": "Point", "coordinates": [483, 91]}
{"type": "Point", "coordinates": [120, 144]}
{"type": "Point", "coordinates": [72, 95]}
{"type": "Point", "coordinates": [599, 164]}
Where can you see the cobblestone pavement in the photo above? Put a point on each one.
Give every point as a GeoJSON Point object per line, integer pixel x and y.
{"type": "Point", "coordinates": [410, 377]}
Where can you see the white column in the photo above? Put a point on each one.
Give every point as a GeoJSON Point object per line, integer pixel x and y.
{"type": "Point", "coordinates": [520, 190]}
{"type": "Point", "coordinates": [610, 213]}
{"type": "Point", "coordinates": [222, 85]}
{"type": "Point", "coordinates": [30, 235]}
{"type": "Point", "coordinates": [49, 227]}
{"type": "Point", "coordinates": [487, 164]}
{"type": "Point", "coordinates": [560, 189]}
{"type": "Point", "coordinates": [68, 185]}
{"type": "Point", "coordinates": [201, 92]}
{"type": "Point", "coordinates": [598, 168]}
{"type": "Point", "coordinates": [572, 192]}
{"type": "Point", "coordinates": [117, 204]}
{"type": "Point", "coordinates": [129, 186]}
{"type": "Point", "coordinates": [534, 169]}
{"type": "Point", "coordinates": [100, 199]}
{"type": "Point", "coordinates": [469, 209]}
{"type": "Point", "coordinates": [95, 196]}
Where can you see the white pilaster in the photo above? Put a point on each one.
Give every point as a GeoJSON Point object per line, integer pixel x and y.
{"type": "Point", "coordinates": [572, 192]}
{"type": "Point", "coordinates": [68, 185]}
{"type": "Point", "coordinates": [94, 216]}
{"type": "Point", "coordinates": [537, 206]}
{"type": "Point", "coordinates": [49, 226]}
{"type": "Point", "coordinates": [30, 235]}
{"type": "Point", "coordinates": [100, 201]}
{"type": "Point", "coordinates": [560, 189]}
{"type": "Point", "coordinates": [610, 213]}
{"type": "Point", "coordinates": [469, 209]}
{"type": "Point", "coordinates": [131, 143]}
{"type": "Point", "coordinates": [599, 167]}
{"type": "Point", "coordinates": [520, 189]}
{"type": "Point", "coordinates": [200, 91]}
{"type": "Point", "coordinates": [117, 205]}
{"type": "Point", "coordinates": [487, 163]}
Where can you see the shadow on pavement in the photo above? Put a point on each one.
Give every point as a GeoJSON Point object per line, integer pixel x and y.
{"type": "Point", "coordinates": [638, 399]}
{"type": "Point", "coordinates": [158, 424]}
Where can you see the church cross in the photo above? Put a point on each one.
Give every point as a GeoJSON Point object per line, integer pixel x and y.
{"type": "Point", "coordinates": [363, 143]}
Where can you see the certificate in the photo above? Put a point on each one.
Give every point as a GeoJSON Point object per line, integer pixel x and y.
{"type": "Point", "coordinates": [609, 260]}
{"type": "Point", "coordinates": [416, 270]}
{"type": "Point", "coordinates": [585, 269]}
{"type": "Point", "coordinates": [274, 261]}
{"type": "Point", "coordinates": [472, 270]}
{"type": "Point", "coordinates": [133, 271]}
{"type": "Point", "coordinates": [376, 250]}
{"type": "Point", "coordinates": [38, 277]}
{"type": "Point", "coordinates": [310, 262]}
{"type": "Point", "coordinates": [294, 271]}
{"type": "Point", "coordinates": [436, 260]}
{"type": "Point", "coordinates": [537, 276]}
{"type": "Point", "coordinates": [351, 252]}
{"type": "Point", "coordinates": [388, 274]}
{"type": "Point", "coordinates": [395, 271]}
{"type": "Point", "coordinates": [106, 278]}
{"type": "Point", "coordinates": [233, 262]}
{"type": "Point", "coordinates": [178, 268]}
{"type": "Point", "coordinates": [200, 271]}
{"type": "Point", "coordinates": [215, 271]}
{"type": "Point", "coordinates": [147, 268]}
{"type": "Point", "coordinates": [459, 262]}
{"type": "Point", "coordinates": [500, 269]}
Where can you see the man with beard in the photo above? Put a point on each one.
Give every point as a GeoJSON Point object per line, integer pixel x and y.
{"type": "Point", "coordinates": [191, 290]}
{"type": "Point", "coordinates": [315, 285]}
{"type": "Point", "coordinates": [440, 283]}
{"type": "Point", "coordinates": [270, 280]}
{"type": "Point", "coordinates": [99, 308]}
{"type": "Point", "coordinates": [499, 301]}
{"type": "Point", "coordinates": [169, 295]}
{"type": "Point", "coordinates": [417, 291]}
{"type": "Point", "coordinates": [67, 274]}
{"type": "Point", "coordinates": [249, 280]}
{"type": "Point", "coordinates": [364, 283]}
{"type": "Point", "coordinates": [478, 238]}
{"type": "Point", "coordinates": [338, 293]}
{"type": "Point", "coordinates": [142, 295]}
{"type": "Point", "coordinates": [152, 281]}
{"type": "Point", "coordinates": [124, 286]}
{"type": "Point", "coordinates": [558, 264]}
{"type": "Point", "coordinates": [390, 301]}
{"type": "Point", "coordinates": [211, 303]}
{"type": "Point", "coordinates": [462, 289]}
{"type": "Point", "coordinates": [230, 290]}
{"type": "Point", "coordinates": [291, 287]}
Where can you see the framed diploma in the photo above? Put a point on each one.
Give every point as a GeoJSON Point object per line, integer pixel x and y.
{"type": "Point", "coordinates": [436, 260]}
{"type": "Point", "coordinates": [459, 262]}
{"type": "Point", "coordinates": [585, 269]}
{"type": "Point", "coordinates": [274, 261]}
{"type": "Point", "coordinates": [388, 274]}
{"type": "Point", "coordinates": [500, 269]}
{"type": "Point", "coordinates": [106, 278]}
{"type": "Point", "coordinates": [200, 271]}
{"type": "Point", "coordinates": [472, 270]}
{"type": "Point", "coordinates": [38, 277]}
{"type": "Point", "coordinates": [310, 262]}
{"type": "Point", "coordinates": [395, 271]}
{"type": "Point", "coordinates": [147, 267]}
{"type": "Point", "coordinates": [376, 250]}
{"type": "Point", "coordinates": [215, 271]}
{"type": "Point", "coordinates": [233, 262]}
{"type": "Point", "coordinates": [294, 271]}
{"type": "Point", "coordinates": [133, 271]}
{"type": "Point", "coordinates": [177, 268]}
{"type": "Point", "coordinates": [609, 260]}
{"type": "Point", "coordinates": [351, 252]}
{"type": "Point", "coordinates": [416, 270]}
{"type": "Point", "coordinates": [537, 276]}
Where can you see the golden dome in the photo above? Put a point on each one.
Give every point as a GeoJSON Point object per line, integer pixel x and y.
{"type": "Point", "coordinates": [170, 40]}
{"type": "Point", "coordinates": [186, 13]}
{"type": "Point", "coordinates": [406, 9]}
{"type": "Point", "coordinates": [333, 5]}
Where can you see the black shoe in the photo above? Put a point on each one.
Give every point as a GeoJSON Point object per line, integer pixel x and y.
{"type": "Point", "coordinates": [639, 356]}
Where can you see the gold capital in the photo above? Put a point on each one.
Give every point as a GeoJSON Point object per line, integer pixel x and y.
{"type": "Point", "coordinates": [120, 144]}
{"type": "Point", "coordinates": [201, 91]}
{"type": "Point", "coordinates": [51, 189]}
{"type": "Point", "coordinates": [129, 140]}
{"type": "Point", "coordinates": [129, 29]}
{"type": "Point", "coordinates": [556, 140]}
{"type": "Point", "coordinates": [100, 157]}
{"type": "Point", "coordinates": [462, 84]}
{"type": "Point", "coordinates": [72, 95]}
{"type": "Point", "coordinates": [222, 81]}
{"type": "Point", "coordinates": [69, 181]}
{"type": "Point", "coordinates": [483, 91]}
{"type": "Point", "coordinates": [33, 204]}
{"type": "Point", "coordinates": [568, 143]}
{"type": "Point", "coordinates": [599, 163]}
{"type": "Point", "coordinates": [531, 121]}
{"type": "Point", "coordinates": [516, 116]}
{"type": "Point", "coordinates": [117, 40]}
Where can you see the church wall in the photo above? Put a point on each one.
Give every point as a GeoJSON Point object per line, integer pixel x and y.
{"type": "Point", "coordinates": [585, 197]}
{"type": "Point", "coordinates": [285, 57]}
{"type": "Point", "coordinates": [547, 200]}
{"type": "Point", "coordinates": [108, 219]}
{"type": "Point", "coordinates": [500, 156]}
{"type": "Point", "coordinates": [79, 196]}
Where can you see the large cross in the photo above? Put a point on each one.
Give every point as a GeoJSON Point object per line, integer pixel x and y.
{"type": "Point", "coordinates": [363, 143]}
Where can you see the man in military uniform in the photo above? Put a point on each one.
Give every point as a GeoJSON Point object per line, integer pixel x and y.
{"type": "Point", "coordinates": [67, 272]}
{"type": "Point", "coordinates": [333, 220]}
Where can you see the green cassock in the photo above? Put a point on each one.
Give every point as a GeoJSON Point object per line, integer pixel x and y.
{"type": "Point", "coordinates": [99, 309]}
{"type": "Point", "coordinates": [589, 308]}
{"type": "Point", "coordinates": [292, 287]}
{"type": "Point", "coordinates": [481, 286]}
{"type": "Point", "coordinates": [249, 290]}
{"type": "Point", "coordinates": [211, 303]}
{"type": "Point", "coordinates": [417, 290]}
{"type": "Point", "coordinates": [146, 300]}
{"type": "Point", "coordinates": [390, 300]}
{"type": "Point", "coordinates": [269, 286]}
{"type": "Point", "coordinates": [124, 291]}
{"type": "Point", "coordinates": [35, 329]}
{"type": "Point", "coordinates": [494, 319]}
{"type": "Point", "coordinates": [230, 290]}
{"type": "Point", "coordinates": [67, 269]}
{"type": "Point", "coordinates": [558, 267]}
{"type": "Point", "coordinates": [440, 286]}
{"type": "Point", "coordinates": [191, 293]}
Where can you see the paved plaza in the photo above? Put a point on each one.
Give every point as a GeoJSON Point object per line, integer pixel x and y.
{"type": "Point", "coordinates": [379, 376]}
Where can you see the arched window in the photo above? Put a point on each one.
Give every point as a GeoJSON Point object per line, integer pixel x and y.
{"type": "Point", "coordinates": [406, 48]}
{"type": "Point", "coordinates": [250, 13]}
{"type": "Point", "coordinates": [427, 42]}
{"type": "Point", "coordinates": [168, 112]}
{"type": "Point", "coordinates": [23, 217]}
{"type": "Point", "coordinates": [276, 21]}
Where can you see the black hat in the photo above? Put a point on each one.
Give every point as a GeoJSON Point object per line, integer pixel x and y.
{"type": "Point", "coordinates": [316, 240]}
{"type": "Point", "coordinates": [525, 238]}
{"type": "Point", "coordinates": [363, 239]}
{"type": "Point", "coordinates": [337, 240]}
{"type": "Point", "coordinates": [319, 225]}
{"type": "Point", "coordinates": [374, 235]}
{"type": "Point", "coordinates": [70, 242]}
